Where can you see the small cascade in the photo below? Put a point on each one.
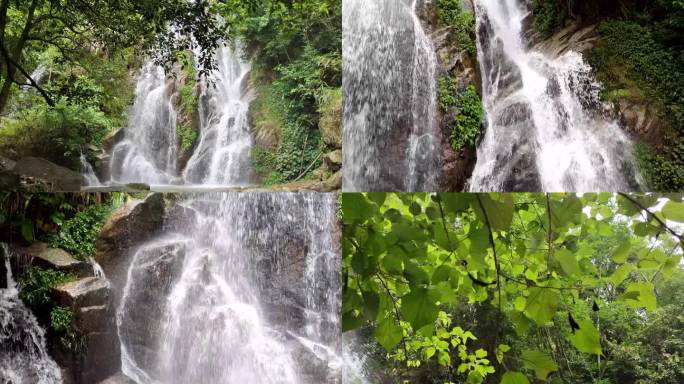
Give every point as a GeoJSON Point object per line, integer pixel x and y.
{"type": "Point", "coordinates": [547, 128]}
{"type": "Point", "coordinates": [390, 93]}
{"type": "Point", "coordinates": [240, 288]}
{"type": "Point", "coordinates": [23, 354]}
{"type": "Point", "coordinates": [91, 179]}
{"type": "Point", "coordinates": [355, 360]}
{"type": "Point", "coordinates": [149, 151]}
{"type": "Point", "coordinates": [37, 76]}
{"type": "Point", "coordinates": [222, 155]}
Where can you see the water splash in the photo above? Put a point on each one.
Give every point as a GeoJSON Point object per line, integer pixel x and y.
{"type": "Point", "coordinates": [389, 83]}
{"type": "Point", "coordinates": [547, 128]}
{"type": "Point", "coordinates": [23, 354]}
{"type": "Point", "coordinates": [211, 300]}
{"type": "Point", "coordinates": [222, 156]}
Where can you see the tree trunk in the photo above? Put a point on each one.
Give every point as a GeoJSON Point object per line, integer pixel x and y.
{"type": "Point", "coordinates": [5, 92]}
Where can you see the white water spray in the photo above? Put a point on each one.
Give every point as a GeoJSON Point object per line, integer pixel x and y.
{"type": "Point", "coordinates": [390, 92]}
{"type": "Point", "coordinates": [546, 126]}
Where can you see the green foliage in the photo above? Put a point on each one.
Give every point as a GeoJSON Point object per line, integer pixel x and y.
{"type": "Point", "coordinates": [462, 23]}
{"type": "Point", "coordinates": [543, 263]}
{"type": "Point", "coordinates": [661, 173]}
{"type": "Point", "coordinates": [78, 234]}
{"type": "Point", "coordinates": [549, 16]}
{"type": "Point", "coordinates": [187, 137]}
{"type": "Point", "coordinates": [36, 284]}
{"type": "Point", "coordinates": [58, 134]}
{"type": "Point", "coordinates": [298, 49]}
{"type": "Point", "coordinates": [187, 93]}
{"type": "Point", "coordinates": [62, 323]}
{"type": "Point", "coordinates": [469, 115]}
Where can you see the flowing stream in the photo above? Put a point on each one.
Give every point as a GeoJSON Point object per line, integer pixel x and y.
{"type": "Point", "coordinates": [150, 152]}
{"type": "Point", "coordinates": [239, 288]}
{"type": "Point", "coordinates": [547, 128]}
{"type": "Point", "coordinates": [389, 83]}
{"type": "Point", "coordinates": [23, 354]}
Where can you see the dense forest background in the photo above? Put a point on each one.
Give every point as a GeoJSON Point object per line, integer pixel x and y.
{"type": "Point", "coordinates": [67, 74]}
{"type": "Point", "coordinates": [515, 288]}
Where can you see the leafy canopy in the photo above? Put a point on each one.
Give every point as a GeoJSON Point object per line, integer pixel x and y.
{"type": "Point", "coordinates": [410, 258]}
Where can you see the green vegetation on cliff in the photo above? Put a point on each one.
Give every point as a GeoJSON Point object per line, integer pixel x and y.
{"type": "Point", "coordinates": [462, 23]}
{"type": "Point", "coordinates": [469, 112]}
{"type": "Point", "coordinates": [297, 61]}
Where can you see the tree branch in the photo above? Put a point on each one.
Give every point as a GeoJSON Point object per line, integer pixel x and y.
{"type": "Point", "coordinates": [649, 213]}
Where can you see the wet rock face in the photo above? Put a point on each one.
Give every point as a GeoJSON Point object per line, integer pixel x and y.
{"type": "Point", "coordinates": [90, 299]}
{"type": "Point", "coordinates": [129, 226]}
{"type": "Point", "coordinates": [44, 257]}
{"type": "Point", "coordinates": [154, 271]}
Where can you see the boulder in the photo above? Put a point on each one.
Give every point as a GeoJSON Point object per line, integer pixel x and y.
{"type": "Point", "coordinates": [129, 226]}
{"type": "Point", "coordinates": [90, 299]}
{"type": "Point", "coordinates": [45, 257]}
{"type": "Point", "coordinates": [57, 178]}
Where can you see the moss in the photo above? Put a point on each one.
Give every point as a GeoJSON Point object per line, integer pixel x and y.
{"type": "Point", "coordinates": [462, 23]}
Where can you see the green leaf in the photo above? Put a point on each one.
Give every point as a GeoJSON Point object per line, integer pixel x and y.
{"type": "Point", "coordinates": [388, 333]}
{"type": "Point", "coordinates": [539, 362]}
{"type": "Point", "coordinates": [621, 274]}
{"type": "Point", "coordinates": [376, 197]}
{"type": "Point", "coordinates": [640, 295]}
{"type": "Point", "coordinates": [674, 211]}
{"type": "Point", "coordinates": [514, 378]}
{"type": "Point", "coordinates": [418, 308]}
{"type": "Point", "coordinates": [498, 212]}
{"type": "Point", "coordinates": [542, 304]}
{"type": "Point", "coordinates": [355, 207]}
{"type": "Point", "coordinates": [567, 261]}
{"type": "Point", "coordinates": [621, 253]}
{"type": "Point", "coordinates": [415, 209]}
{"type": "Point", "coordinates": [350, 321]}
{"type": "Point", "coordinates": [371, 301]}
{"type": "Point", "coordinates": [586, 339]}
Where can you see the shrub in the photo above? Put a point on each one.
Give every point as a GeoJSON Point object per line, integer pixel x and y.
{"type": "Point", "coordinates": [37, 282]}
{"type": "Point", "coordinates": [469, 112]}
{"type": "Point", "coordinates": [58, 133]}
{"type": "Point", "coordinates": [187, 137]}
{"type": "Point", "coordinates": [449, 13]}
{"type": "Point", "coordinates": [661, 174]}
{"type": "Point", "coordinates": [548, 16]}
{"type": "Point", "coordinates": [78, 234]}
{"type": "Point", "coordinates": [62, 323]}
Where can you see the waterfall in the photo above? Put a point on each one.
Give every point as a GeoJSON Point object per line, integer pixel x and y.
{"type": "Point", "coordinates": [23, 353]}
{"type": "Point", "coordinates": [239, 288]}
{"type": "Point", "coordinates": [547, 128]}
{"type": "Point", "coordinates": [390, 93]}
{"type": "Point", "coordinates": [222, 156]}
{"type": "Point", "coordinates": [149, 153]}
{"type": "Point", "coordinates": [89, 175]}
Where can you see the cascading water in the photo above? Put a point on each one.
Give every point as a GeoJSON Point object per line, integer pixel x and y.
{"type": "Point", "coordinates": [149, 152]}
{"type": "Point", "coordinates": [390, 93]}
{"type": "Point", "coordinates": [88, 172]}
{"type": "Point", "coordinates": [222, 156]}
{"type": "Point", "coordinates": [240, 288]}
{"type": "Point", "coordinates": [546, 126]}
{"type": "Point", "coordinates": [23, 354]}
